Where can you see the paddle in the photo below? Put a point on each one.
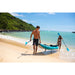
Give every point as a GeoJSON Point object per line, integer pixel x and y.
{"type": "Point", "coordinates": [26, 43]}
{"type": "Point", "coordinates": [64, 43]}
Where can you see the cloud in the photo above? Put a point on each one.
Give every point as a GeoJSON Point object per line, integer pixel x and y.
{"type": "Point", "coordinates": [51, 13]}
{"type": "Point", "coordinates": [41, 14]}
{"type": "Point", "coordinates": [45, 14]}
{"type": "Point", "coordinates": [28, 21]}
{"type": "Point", "coordinates": [15, 14]}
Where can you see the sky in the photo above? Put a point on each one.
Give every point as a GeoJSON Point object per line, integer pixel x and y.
{"type": "Point", "coordinates": [49, 21]}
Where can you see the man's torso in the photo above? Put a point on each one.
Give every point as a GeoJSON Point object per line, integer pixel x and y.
{"type": "Point", "coordinates": [36, 34]}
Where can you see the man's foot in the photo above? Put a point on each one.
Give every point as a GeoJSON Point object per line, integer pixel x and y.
{"type": "Point", "coordinates": [34, 53]}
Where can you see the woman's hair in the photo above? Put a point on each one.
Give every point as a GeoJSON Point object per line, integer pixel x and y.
{"type": "Point", "coordinates": [60, 37]}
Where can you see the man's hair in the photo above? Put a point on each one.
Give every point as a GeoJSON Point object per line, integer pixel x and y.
{"type": "Point", "coordinates": [37, 26]}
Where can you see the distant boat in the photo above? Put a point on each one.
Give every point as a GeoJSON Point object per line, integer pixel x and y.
{"type": "Point", "coordinates": [73, 32]}
{"type": "Point", "coordinates": [0, 30]}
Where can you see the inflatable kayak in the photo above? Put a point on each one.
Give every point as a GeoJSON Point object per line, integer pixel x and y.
{"type": "Point", "coordinates": [49, 47]}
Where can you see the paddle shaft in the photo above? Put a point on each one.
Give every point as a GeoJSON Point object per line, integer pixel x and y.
{"type": "Point", "coordinates": [64, 43]}
{"type": "Point", "coordinates": [28, 41]}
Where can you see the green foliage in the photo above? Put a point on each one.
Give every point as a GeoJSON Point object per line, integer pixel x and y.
{"type": "Point", "coordinates": [9, 22]}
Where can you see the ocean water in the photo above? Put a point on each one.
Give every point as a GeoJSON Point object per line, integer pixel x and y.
{"type": "Point", "coordinates": [48, 37]}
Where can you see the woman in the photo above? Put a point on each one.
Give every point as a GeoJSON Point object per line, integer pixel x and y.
{"type": "Point", "coordinates": [59, 42]}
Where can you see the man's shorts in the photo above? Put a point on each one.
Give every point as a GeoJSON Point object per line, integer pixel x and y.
{"type": "Point", "coordinates": [35, 42]}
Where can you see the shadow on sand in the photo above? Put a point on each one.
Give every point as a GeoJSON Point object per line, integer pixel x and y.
{"type": "Point", "coordinates": [39, 53]}
{"type": "Point", "coordinates": [49, 52]}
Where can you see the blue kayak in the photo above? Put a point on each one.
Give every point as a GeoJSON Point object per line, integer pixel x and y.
{"type": "Point", "coordinates": [49, 47]}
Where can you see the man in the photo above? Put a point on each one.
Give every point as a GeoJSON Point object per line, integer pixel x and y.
{"type": "Point", "coordinates": [36, 39]}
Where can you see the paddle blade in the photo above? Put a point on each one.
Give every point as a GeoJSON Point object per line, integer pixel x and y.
{"type": "Point", "coordinates": [68, 49]}
{"type": "Point", "coordinates": [59, 34]}
{"type": "Point", "coordinates": [26, 43]}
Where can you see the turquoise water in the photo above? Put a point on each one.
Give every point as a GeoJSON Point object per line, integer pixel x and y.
{"type": "Point", "coordinates": [48, 37]}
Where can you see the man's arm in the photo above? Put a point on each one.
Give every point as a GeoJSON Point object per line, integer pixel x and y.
{"type": "Point", "coordinates": [31, 36]}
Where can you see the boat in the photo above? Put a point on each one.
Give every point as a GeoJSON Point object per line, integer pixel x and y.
{"type": "Point", "coordinates": [49, 47]}
{"type": "Point", "coordinates": [73, 32]}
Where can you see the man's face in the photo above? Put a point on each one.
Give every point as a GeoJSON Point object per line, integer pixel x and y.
{"type": "Point", "coordinates": [38, 28]}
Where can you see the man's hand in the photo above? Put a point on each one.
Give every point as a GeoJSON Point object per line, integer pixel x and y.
{"type": "Point", "coordinates": [40, 41]}
{"type": "Point", "coordinates": [30, 39]}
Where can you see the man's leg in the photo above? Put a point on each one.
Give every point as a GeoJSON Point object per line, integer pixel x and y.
{"type": "Point", "coordinates": [36, 48]}
{"type": "Point", "coordinates": [37, 45]}
{"type": "Point", "coordinates": [33, 49]}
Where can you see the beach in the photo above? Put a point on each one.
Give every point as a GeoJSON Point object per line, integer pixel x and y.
{"type": "Point", "coordinates": [12, 51]}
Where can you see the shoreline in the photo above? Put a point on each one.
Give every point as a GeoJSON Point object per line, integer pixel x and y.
{"type": "Point", "coordinates": [20, 40]}
{"type": "Point", "coordinates": [23, 40]}
{"type": "Point", "coordinates": [43, 41]}
{"type": "Point", "coordinates": [2, 30]}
